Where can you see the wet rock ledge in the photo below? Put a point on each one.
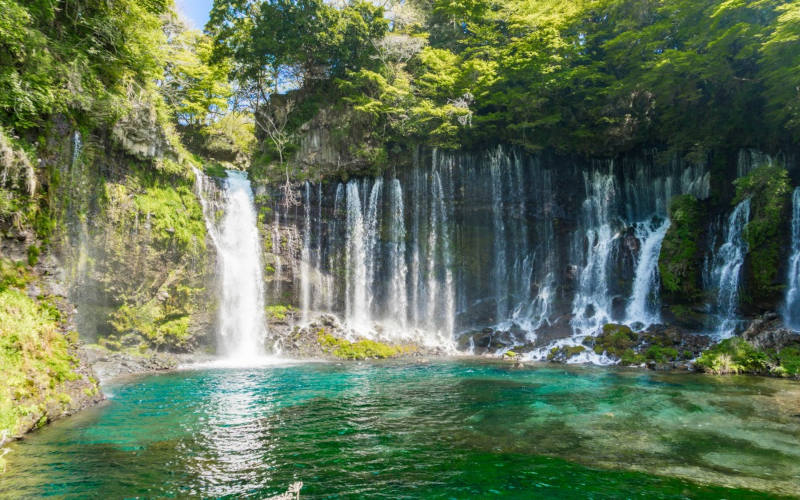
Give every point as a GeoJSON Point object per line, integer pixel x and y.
{"type": "Point", "coordinates": [326, 338]}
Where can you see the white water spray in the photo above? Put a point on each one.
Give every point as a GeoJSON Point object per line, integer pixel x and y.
{"type": "Point", "coordinates": [644, 306]}
{"type": "Point", "coordinates": [242, 326]}
{"type": "Point", "coordinates": [726, 269]}
{"type": "Point", "coordinates": [791, 312]}
{"type": "Point", "coordinates": [592, 305]}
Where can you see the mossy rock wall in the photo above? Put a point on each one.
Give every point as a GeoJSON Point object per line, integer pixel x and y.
{"type": "Point", "coordinates": [681, 252]}
{"type": "Point", "coordinates": [43, 377]}
{"type": "Point", "coordinates": [767, 233]}
{"type": "Point", "coordinates": [130, 235]}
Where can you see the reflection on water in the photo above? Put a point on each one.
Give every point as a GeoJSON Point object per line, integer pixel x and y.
{"type": "Point", "coordinates": [444, 429]}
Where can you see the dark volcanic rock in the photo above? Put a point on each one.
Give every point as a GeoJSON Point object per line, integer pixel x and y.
{"type": "Point", "coordinates": [490, 340]}
{"type": "Point", "coordinates": [677, 338]}
{"type": "Point", "coordinates": [769, 333]}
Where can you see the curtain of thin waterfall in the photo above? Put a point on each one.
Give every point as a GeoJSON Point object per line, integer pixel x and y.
{"type": "Point", "coordinates": [463, 242]}
{"type": "Point", "coordinates": [403, 281]}
{"type": "Point", "coordinates": [397, 306]}
{"type": "Point", "coordinates": [726, 270]}
{"type": "Point", "coordinates": [356, 266]}
{"type": "Point", "coordinates": [305, 256]}
{"type": "Point", "coordinates": [791, 312]}
{"type": "Point", "coordinates": [592, 305]}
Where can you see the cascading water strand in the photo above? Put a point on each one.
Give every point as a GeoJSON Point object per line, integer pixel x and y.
{"type": "Point", "coordinates": [791, 311]}
{"type": "Point", "coordinates": [241, 323]}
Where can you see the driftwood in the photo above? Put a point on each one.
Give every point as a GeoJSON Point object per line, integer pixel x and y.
{"type": "Point", "coordinates": [293, 493]}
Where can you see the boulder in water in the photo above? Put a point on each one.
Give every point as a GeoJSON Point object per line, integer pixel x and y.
{"type": "Point", "coordinates": [563, 354]}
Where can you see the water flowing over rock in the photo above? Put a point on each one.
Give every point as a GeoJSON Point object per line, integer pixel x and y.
{"type": "Point", "coordinates": [461, 243]}
{"type": "Point", "coordinates": [644, 302]}
{"type": "Point", "coordinates": [592, 304]}
{"type": "Point", "coordinates": [791, 313]}
{"type": "Point", "coordinates": [241, 322]}
{"type": "Point", "coordinates": [726, 267]}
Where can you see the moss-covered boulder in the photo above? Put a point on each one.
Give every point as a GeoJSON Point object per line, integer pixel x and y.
{"type": "Point", "coordinates": [788, 362]}
{"type": "Point", "coordinates": [680, 261]}
{"type": "Point", "coordinates": [668, 344]}
{"type": "Point", "coordinates": [563, 354]}
{"type": "Point", "coordinates": [769, 190]}
{"type": "Point", "coordinates": [619, 342]}
{"type": "Point", "coordinates": [280, 313]}
{"type": "Point", "coordinates": [361, 349]}
{"type": "Point", "coordinates": [658, 346]}
{"type": "Point", "coordinates": [615, 339]}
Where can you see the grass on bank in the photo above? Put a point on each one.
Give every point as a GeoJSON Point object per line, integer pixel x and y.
{"type": "Point", "coordinates": [34, 354]}
{"type": "Point", "coordinates": [735, 355]}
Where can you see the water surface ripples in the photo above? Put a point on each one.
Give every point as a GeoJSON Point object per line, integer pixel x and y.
{"type": "Point", "coordinates": [432, 430]}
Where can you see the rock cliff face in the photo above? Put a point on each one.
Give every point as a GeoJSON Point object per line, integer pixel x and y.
{"type": "Point", "coordinates": [45, 373]}
{"type": "Point", "coordinates": [124, 228]}
{"type": "Point", "coordinates": [132, 237]}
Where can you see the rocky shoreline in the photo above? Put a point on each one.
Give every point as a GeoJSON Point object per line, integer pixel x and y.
{"type": "Point", "coordinates": [109, 366]}
{"type": "Point", "coordinates": [658, 347]}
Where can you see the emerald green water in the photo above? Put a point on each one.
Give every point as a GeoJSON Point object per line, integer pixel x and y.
{"type": "Point", "coordinates": [430, 430]}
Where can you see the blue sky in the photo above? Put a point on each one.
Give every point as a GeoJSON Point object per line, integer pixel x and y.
{"type": "Point", "coordinates": [195, 11]}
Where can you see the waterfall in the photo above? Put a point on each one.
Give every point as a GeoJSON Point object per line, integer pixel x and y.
{"type": "Point", "coordinates": [242, 326]}
{"type": "Point", "coordinates": [749, 159]}
{"type": "Point", "coordinates": [523, 255]}
{"type": "Point", "coordinates": [446, 311]}
{"type": "Point", "coordinates": [726, 269]}
{"type": "Point", "coordinates": [357, 314]}
{"type": "Point", "coordinates": [371, 230]}
{"type": "Point", "coordinates": [333, 257]}
{"type": "Point", "coordinates": [791, 313]}
{"type": "Point", "coordinates": [591, 306]}
{"type": "Point", "coordinates": [398, 296]}
{"type": "Point", "coordinates": [305, 258]}
{"type": "Point", "coordinates": [77, 147]}
{"type": "Point", "coordinates": [416, 282]}
{"type": "Point", "coordinates": [643, 306]}
{"type": "Point", "coordinates": [397, 285]}
{"type": "Point", "coordinates": [467, 242]}
{"type": "Point", "coordinates": [534, 267]}
{"type": "Point", "coordinates": [276, 245]}
{"type": "Point", "coordinates": [499, 271]}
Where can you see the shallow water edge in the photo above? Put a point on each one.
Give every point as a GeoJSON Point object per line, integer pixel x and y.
{"type": "Point", "coordinates": [433, 428]}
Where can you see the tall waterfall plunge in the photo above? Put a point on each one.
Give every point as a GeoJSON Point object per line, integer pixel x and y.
{"type": "Point", "coordinates": [242, 326]}
{"type": "Point", "coordinates": [501, 240]}
{"type": "Point", "coordinates": [791, 312]}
